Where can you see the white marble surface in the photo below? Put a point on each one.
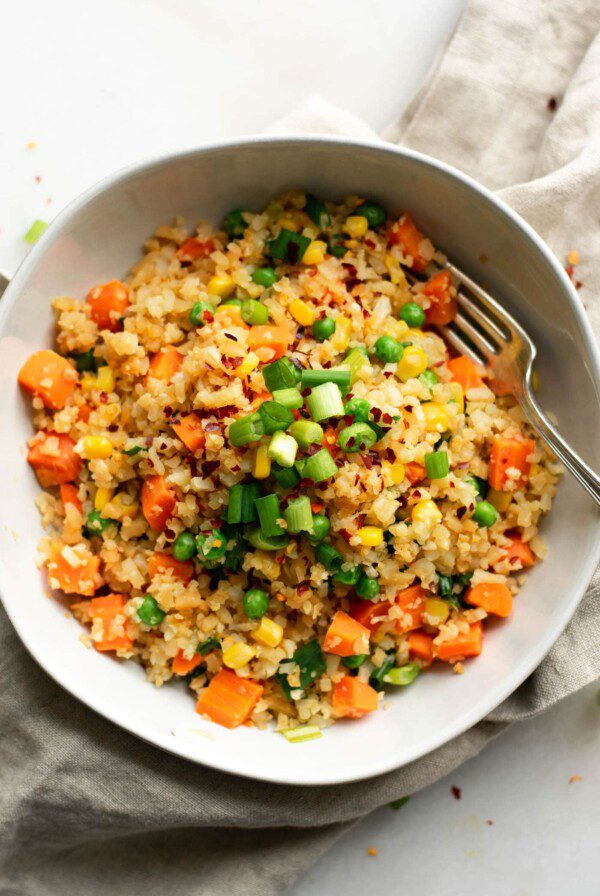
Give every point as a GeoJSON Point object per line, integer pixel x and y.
{"type": "Point", "coordinates": [95, 86]}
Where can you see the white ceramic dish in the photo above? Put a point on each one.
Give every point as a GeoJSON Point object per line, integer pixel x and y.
{"type": "Point", "coordinates": [99, 237]}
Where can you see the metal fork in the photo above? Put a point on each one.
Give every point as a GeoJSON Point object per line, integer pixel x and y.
{"type": "Point", "coordinates": [488, 334]}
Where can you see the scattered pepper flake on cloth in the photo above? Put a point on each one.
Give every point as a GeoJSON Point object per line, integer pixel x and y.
{"type": "Point", "coordinates": [371, 851]}
{"type": "Point", "coordinates": [456, 792]}
{"type": "Point", "coordinates": [575, 778]}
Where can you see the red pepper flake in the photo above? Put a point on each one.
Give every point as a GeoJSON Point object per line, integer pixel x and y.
{"type": "Point", "coordinates": [489, 822]}
{"type": "Point", "coordinates": [169, 534]}
{"type": "Point", "coordinates": [387, 419]}
{"type": "Point", "coordinates": [148, 442]}
{"type": "Point", "coordinates": [322, 486]}
{"type": "Point", "coordinates": [313, 449]}
{"type": "Point", "coordinates": [113, 427]}
{"type": "Point", "coordinates": [103, 397]}
{"type": "Point", "coordinates": [208, 317]}
{"type": "Point", "coordinates": [228, 410]}
{"type": "Point", "coordinates": [349, 268]}
{"type": "Point", "coordinates": [552, 104]}
{"type": "Point", "coordinates": [209, 467]}
{"type": "Point", "coordinates": [456, 792]}
{"type": "Point", "coordinates": [461, 512]}
{"type": "Point", "coordinates": [38, 178]}
{"type": "Point", "coordinates": [306, 483]}
{"type": "Point", "coordinates": [439, 363]}
{"type": "Point", "coordinates": [376, 412]}
{"type": "Point", "coordinates": [387, 374]}
{"type": "Point", "coordinates": [281, 559]}
{"type": "Point", "coordinates": [365, 314]}
{"type": "Point", "coordinates": [416, 493]}
{"type": "Point", "coordinates": [168, 411]}
{"type": "Point", "coordinates": [369, 244]}
{"type": "Point", "coordinates": [371, 459]}
{"type": "Point", "coordinates": [229, 335]}
{"type": "Point", "coordinates": [302, 587]}
{"type": "Point", "coordinates": [360, 520]}
{"type": "Point", "coordinates": [312, 272]}
{"type": "Point", "coordinates": [346, 535]}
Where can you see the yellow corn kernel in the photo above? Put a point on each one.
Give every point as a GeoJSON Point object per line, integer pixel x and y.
{"type": "Point", "coordinates": [302, 312]}
{"type": "Point", "coordinates": [356, 226]}
{"type": "Point", "coordinates": [396, 328]}
{"type": "Point", "coordinates": [437, 610]}
{"type": "Point", "coordinates": [370, 536]}
{"type": "Point", "coordinates": [341, 338]}
{"type": "Point", "coordinates": [394, 269]}
{"type": "Point", "coordinates": [105, 379]}
{"type": "Point", "coordinates": [500, 500]}
{"type": "Point", "coordinates": [426, 512]}
{"type": "Point", "coordinates": [268, 633]}
{"type": "Point", "coordinates": [458, 395]}
{"type": "Point", "coordinates": [88, 382]}
{"type": "Point", "coordinates": [436, 418]}
{"type": "Point", "coordinates": [220, 285]}
{"type": "Point", "coordinates": [250, 362]}
{"type": "Point", "coordinates": [102, 497]}
{"type": "Point", "coordinates": [238, 655]}
{"type": "Point", "coordinates": [315, 253]}
{"type": "Point", "coordinates": [262, 463]}
{"type": "Point", "coordinates": [415, 333]}
{"type": "Point", "coordinates": [123, 505]}
{"type": "Point", "coordinates": [398, 473]}
{"type": "Point", "coordinates": [96, 447]}
{"type": "Point", "coordinates": [412, 363]}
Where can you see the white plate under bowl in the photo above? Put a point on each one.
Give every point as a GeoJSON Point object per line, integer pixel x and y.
{"type": "Point", "coordinates": [99, 236]}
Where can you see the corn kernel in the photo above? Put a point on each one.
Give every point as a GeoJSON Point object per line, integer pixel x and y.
{"type": "Point", "coordinates": [396, 328]}
{"type": "Point", "coordinates": [315, 253]}
{"type": "Point", "coordinates": [123, 505]}
{"type": "Point", "coordinates": [220, 285]}
{"type": "Point", "coordinates": [268, 633]}
{"type": "Point", "coordinates": [436, 418]}
{"type": "Point", "coordinates": [102, 497]}
{"type": "Point", "coordinates": [573, 257]}
{"type": "Point", "coordinates": [238, 655]}
{"type": "Point", "coordinates": [262, 463]}
{"type": "Point", "coordinates": [458, 395]}
{"type": "Point", "coordinates": [394, 269]}
{"type": "Point", "coordinates": [356, 226]}
{"type": "Point", "coordinates": [499, 500]}
{"type": "Point", "coordinates": [250, 363]}
{"type": "Point", "coordinates": [438, 611]}
{"type": "Point", "coordinates": [96, 447]}
{"type": "Point", "coordinates": [88, 382]}
{"type": "Point", "coordinates": [105, 379]}
{"type": "Point", "coordinates": [398, 473]}
{"type": "Point", "coordinates": [302, 313]}
{"type": "Point", "coordinates": [426, 512]}
{"type": "Point", "coordinates": [370, 536]}
{"type": "Point", "coordinates": [341, 338]}
{"type": "Point", "coordinates": [412, 363]}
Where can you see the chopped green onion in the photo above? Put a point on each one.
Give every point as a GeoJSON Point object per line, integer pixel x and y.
{"type": "Point", "coordinates": [373, 212]}
{"type": "Point", "coordinates": [330, 557]}
{"type": "Point", "coordinates": [337, 245]}
{"type": "Point", "coordinates": [347, 576]}
{"type": "Point", "coordinates": [288, 246]}
{"type": "Point", "coordinates": [184, 546]}
{"type": "Point", "coordinates": [205, 647]}
{"type": "Point", "coordinates": [256, 603]}
{"type": "Point", "coordinates": [85, 361]}
{"type": "Point", "coordinates": [319, 466]}
{"type": "Point", "coordinates": [299, 466]}
{"type": "Point", "coordinates": [312, 378]}
{"type": "Point", "coordinates": [269, 512]}
{"type": "Point", "coordinates": [323, 328]}
{"type": "Point", "coordinates": [444, 585]}
{"type": "Point", "coordinates": [261, 542]}
{"type": "Point", "coordinates": [485, 514]}
{"type": "Point", "coordinates": [264, 277]}
{"type": "Point", "coordinates": [242, 497]}
{"type": "Point", "coordinates": [317, 212]}
{"type": "Point", "coordinates": [437, 465]}
{"type": "Point", "coordinates": [35, 232]}
{"type": "Point", "coordinates": [301, 734]}
{"type": "Point", "coordinates": [366, 588]}
{"type": "Point", "coordinates": [275, 417]}
{"type": "Point", "coordinates": [320, 528]}
{"type": "Point", "coordinates": [388, 350]}
{"type": "Point", "coordinates": [298, 515]}
{"type": "Point", "coordinates": [149, 612]}
{"type": "Point", "coordinates": [354, 662]}
{"type": "Point", "coordinates": [245, 430]}
{"type": "Point", "coordinates": [397, 804]}
{"type": "Point", "coordinates": [480, 485]}
{"type": "Point", "coordinates": [289, 398]}
{"type": "Point", "coordinates": [356, 361]}
{"type": "Point", "coordinates": [357, 437]}
{"type": "Point", "coordinates": [254, 312]}
{"type": "Point", "coordinates": [359, 408]}
{"type": "Point", "coordinates": [281, 374]}
{"type": "Point", "coordinates": [429, 379]}
{"type": "Point", "coordinates": [201, 313]}
{"type": "Point", "coordinates": [96, 524]}
{"type": "Point", "coordinates": [135, 449]}
{"type": "Point", "coordinates": [234, 223]}
{"type": "Point", "coordinates": [282, 449]}
{"type": "Point", "coordinates": [377, 675]}
{"type": "Point", "coordinates": [412, 314]}
{"type": "Point", "coordinates": [310, 662]}
{"type": "Point", "coordinates": [402, 675]}
{"type": "Point", "coordinates": [211, 545]}
{"type": "Point", "coordinates": [306, 433]}
{"type": "Point", "coordinates": [287, 478]}
{"type": "Point", "coordinates": [325, 401]}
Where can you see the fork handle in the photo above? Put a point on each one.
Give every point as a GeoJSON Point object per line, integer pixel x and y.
{"type": "Point", "coordinates": [578, 467]}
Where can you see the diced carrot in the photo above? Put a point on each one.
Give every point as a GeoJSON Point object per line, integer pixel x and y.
{"type": "Point", "coordinates": [412, 603]}
{"type": "Point", "coordinates": [165, 364]}
{"type": "Point", "coordinates": [415, 472]}
{"type": "Point", "coordinates": [52, 456]}
{"type": "Point", "coordinates": [83, 412]}
{"type": "Point", "coordinates": [463, 371]}
{"type": "Point", "coordinates": [74, 572]}
{"type": "Point", "coordinates": [519, 552]}
{"type": "Point", "coordinates": [194, 248]}
{"type": "Point", "coordinates": [161, 562]}
{"type": "Point", "coordinates": [411, 241]}
{"type": "Point", "coordinates": [345, 636]}
{"type": "Point", "coordinates": [271, 337]}
{"type": "Point", "coordinates": [316, 506]}
{"type": "Point", "coordinates": [158, 502]}
{"type": "Point", "coordinates": [493, 597]}
{"type": "Point", "coordinates": [463, 645]}
{"type": "Point", "coordinates": [443, 306]}
{"type": "Point", "coordinates": [69, 495]}
{"type": "Point", "coordinates": [182, 666]}
{"type": "Point", "coordinates": [266, 354]}
{"type": "Point", "coordinates": [258, 400]}
{"type": "Point", "coordinates": [353, 698]}
{"type": "Point", "coordinates": [108, 303]}
{"type": "Point", "coordinates": [508, 453]}
{"type": "Point", "coordinates": [230, 314]}
{"type": "Point", "coordinates": [191, 432]}
{"type": "Point", "coordinates": [420, 645]}
{"type": "Point", "coordinates": [48, 376]}
{"type": "Point", "coordinates": [370, 614]}
{"type": "Point", "coordinates": [107, 609]}
{"type": "Point", "coordinates": [229, 700]}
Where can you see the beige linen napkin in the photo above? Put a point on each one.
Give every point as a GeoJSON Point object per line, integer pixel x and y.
{"type": "Point", "coordinates": [86, 808]}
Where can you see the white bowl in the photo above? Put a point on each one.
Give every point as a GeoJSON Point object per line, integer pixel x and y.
{"type": "Point", "coordinates": [99, 237]}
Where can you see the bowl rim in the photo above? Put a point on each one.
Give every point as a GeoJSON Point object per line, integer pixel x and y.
{"type": "Point", "coordinates": [508, 683]}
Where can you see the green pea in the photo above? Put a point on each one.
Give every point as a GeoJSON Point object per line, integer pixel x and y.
{"type": "Point", "coordinates": [412, 314]}
{"type": "Point", "coordinates": [429, 379]}
{"type": "Point", "coordinates": [256, 603]}
{"type": "Point", "coordinates": [149, 612]}
{"type": "Point", "coordinates": [323, 328]}
{"type": "Point", "coordinates": [184, 546]}
{"type": "Point", "coordinates": [264, 276]}
{"type": "Point", "coordinates": [201, 313]}
{"type": "Point", "coordinates": [366, 587]}
{"type": "Point", "coordinates": [373, 212]}
{"type": "Point", "coordinates": [485, 514]}
{"type": "Point", "coordinates": [359, 408]}
{"type": "Point", "coordinates": [321, 527]}
{"type": "Point", "coordinates": [96, 524]}
{"type": "Point", "coordinates": [234, 223]}
{"type": "Point", "coordinates": [337, 246]}
{"type": "Point", "coordinates": [254, 312]}
{"type": "Point", "coordinates": [347, 576]}
{"type": "Point", "coordinates": [211, 546]}
{"type": "Point", "coordinates": [388, 349]}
